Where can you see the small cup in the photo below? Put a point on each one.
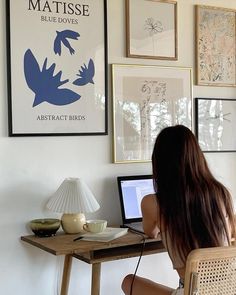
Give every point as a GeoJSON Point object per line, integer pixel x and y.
{"type": "Point", "coordinates": [95, 226]}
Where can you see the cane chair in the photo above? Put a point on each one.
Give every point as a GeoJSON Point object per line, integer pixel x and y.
{"type": "Point", "coordinates": [211, 271]}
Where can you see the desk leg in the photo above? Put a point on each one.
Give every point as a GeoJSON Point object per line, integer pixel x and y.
{"type": "Point", "coordinates": [96, 271]}
{"type": "Point", "coordinates": [66, 275]}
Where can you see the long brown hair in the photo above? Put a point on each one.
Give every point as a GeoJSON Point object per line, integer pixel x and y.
{"type": "Point", "coordinates": [193, 204]}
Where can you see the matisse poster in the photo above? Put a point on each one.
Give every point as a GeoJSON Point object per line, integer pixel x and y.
{"type": "Point", "coordinates": [57, 67]}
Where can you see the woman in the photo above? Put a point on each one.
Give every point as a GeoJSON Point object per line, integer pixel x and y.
{"type": "Point", "coordinates": [190, 209]}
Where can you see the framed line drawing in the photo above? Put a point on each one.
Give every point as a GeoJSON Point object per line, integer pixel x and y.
{"type": "Point", "coordinates": [215, 124]}
{"type": "Point", "coordinates": [151, 29]}
{"type": "Point", "coordinates": [57, 67]}
{"type": "Point", "coordinates": [147, 99]}
{"type": "Point", "coordinates": [215, 46]}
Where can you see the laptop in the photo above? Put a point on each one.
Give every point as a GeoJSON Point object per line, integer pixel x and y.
{"type": "Point", "coordinates": [131, 191]}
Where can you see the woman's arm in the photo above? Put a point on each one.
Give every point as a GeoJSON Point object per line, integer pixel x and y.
{"type": "Point", "coordinates": [151, 215]}
{"type": "Point", "coordinates": [233, 232]}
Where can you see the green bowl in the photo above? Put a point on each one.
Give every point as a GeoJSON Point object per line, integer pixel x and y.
{"type": "Point", "coordinates": [45, 227]}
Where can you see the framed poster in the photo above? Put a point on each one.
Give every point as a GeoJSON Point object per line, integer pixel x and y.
{"type": "Point", "coordinates": [151, 29]}
{"type": "Point", "coordinates": [57, 67]}
{"type": "Point", "coordinates": [215, 124]}
{"type": "Point", "coordinates": [147, 99]}
{"type": "Point", "coordinates": [215, 46]}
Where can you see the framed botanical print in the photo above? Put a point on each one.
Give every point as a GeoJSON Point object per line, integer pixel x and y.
{"type": "Point", "coordinates": [215, 46]}
{"type": "Point", "coordinates": [57, 67]}
{"type": "Point", "coordinates": [147, 99]}
{"type": "Point", "coordinates": [151, 29]}
{"type": "Point", "coordinates": [215, 124]}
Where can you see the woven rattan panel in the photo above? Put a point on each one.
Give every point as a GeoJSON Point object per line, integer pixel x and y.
{"type": "Point", "coordinates": [217, 277]}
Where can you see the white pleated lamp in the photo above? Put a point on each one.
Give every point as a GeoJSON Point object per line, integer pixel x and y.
{"type": "Point", "coordinates": [73, 198]}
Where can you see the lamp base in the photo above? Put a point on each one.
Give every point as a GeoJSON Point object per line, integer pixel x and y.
{"type": "Point", "coordinates": [73, 223]}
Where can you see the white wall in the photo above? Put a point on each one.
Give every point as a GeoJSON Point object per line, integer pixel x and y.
{"type": "Point", "coordinates": [31, 168]}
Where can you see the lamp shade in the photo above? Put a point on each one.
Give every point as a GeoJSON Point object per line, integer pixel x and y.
{"type": "Point", "coordinates": [73, 196]}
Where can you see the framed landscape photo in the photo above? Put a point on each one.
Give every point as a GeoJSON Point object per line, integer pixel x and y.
{"type": "Point", "coordinates": [215, 124]}
{"type": "Point", "coordinates": [57, 67]}
{"type": "Point", "coordinates": [215, 46]}
{"type": "Point", "coordinates": [151, 29]}
{"type": "Point", "coordinates": [147, 99]}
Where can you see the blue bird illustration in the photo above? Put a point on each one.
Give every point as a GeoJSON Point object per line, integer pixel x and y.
{"type": "Point", "coordinates": [45, 84]}
{"type": "Point", "coordinates": [86, 74]}
{"type": "Point", "coordinates": [62, 38]}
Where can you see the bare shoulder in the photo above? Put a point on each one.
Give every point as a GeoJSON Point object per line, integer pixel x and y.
{"type": "Point", "coordinates": [151, 214]}
{"type": "Point", "coordinates": [149, 201]}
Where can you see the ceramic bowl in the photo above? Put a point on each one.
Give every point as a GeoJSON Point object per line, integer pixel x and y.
{"type": "Point", "coordinates": [45, 227]}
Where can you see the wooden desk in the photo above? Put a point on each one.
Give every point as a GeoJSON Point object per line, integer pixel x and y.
{"type": "Point", "coordinates": [93, 252]}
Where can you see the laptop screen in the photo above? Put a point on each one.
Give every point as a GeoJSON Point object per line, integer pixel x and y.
{"type": "Point", "coordinates": [131, 191]}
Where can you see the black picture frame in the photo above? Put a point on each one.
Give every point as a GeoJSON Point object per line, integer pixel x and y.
{"type": "Point", "coordinates": [57, 67]}
{"type": "Point", "coordinates": [215, 121]}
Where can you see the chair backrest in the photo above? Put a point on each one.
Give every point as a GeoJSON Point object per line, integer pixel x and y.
{"type": "Point", "coordinates": [211, 271]}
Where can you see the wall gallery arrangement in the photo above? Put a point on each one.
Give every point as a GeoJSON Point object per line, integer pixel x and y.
{"type": "Point", "coordinates": [58, 74]}
{"type": "Point", "coordinates": [57, 65]}
{"type": "Point", "coordinates": [149, 98]}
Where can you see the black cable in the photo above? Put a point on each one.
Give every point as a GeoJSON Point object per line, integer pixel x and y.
{"type": "Point", "coordinates": [140, 256]}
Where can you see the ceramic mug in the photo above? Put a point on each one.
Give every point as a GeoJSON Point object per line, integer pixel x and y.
{"type": "Point", "coordinates": [95, 226]}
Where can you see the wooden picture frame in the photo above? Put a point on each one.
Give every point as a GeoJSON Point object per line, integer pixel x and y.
{"type": "Point", "coordinates": [215, 46]}
{"type": "Point", "coordinates": [57, 67]}
{"type": "Point", "coordinates": [147, 99]}
{"type": "Point", "coordinates": [215, 124]}
{"type": "Point", "coordinates": [151, 29]}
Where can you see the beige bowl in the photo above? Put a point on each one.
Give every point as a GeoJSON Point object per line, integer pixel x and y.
{"type": "Point", "coordinates": [45, 227]}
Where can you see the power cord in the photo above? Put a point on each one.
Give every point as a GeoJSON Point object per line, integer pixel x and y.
{"type": "Point", "coordinates": [140, 256]}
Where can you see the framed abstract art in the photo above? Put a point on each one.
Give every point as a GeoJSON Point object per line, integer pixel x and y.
{"type": "Point", "coordinates": [57, 67]}
{"type": "Point", "coordinates": [215, 124]}
{"type": "Point", "coordinates": [147, 99]}
{"type": "Point", "coordinates": [151, 29]}
{"type": "Point", "coordinates": [215, 46]}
